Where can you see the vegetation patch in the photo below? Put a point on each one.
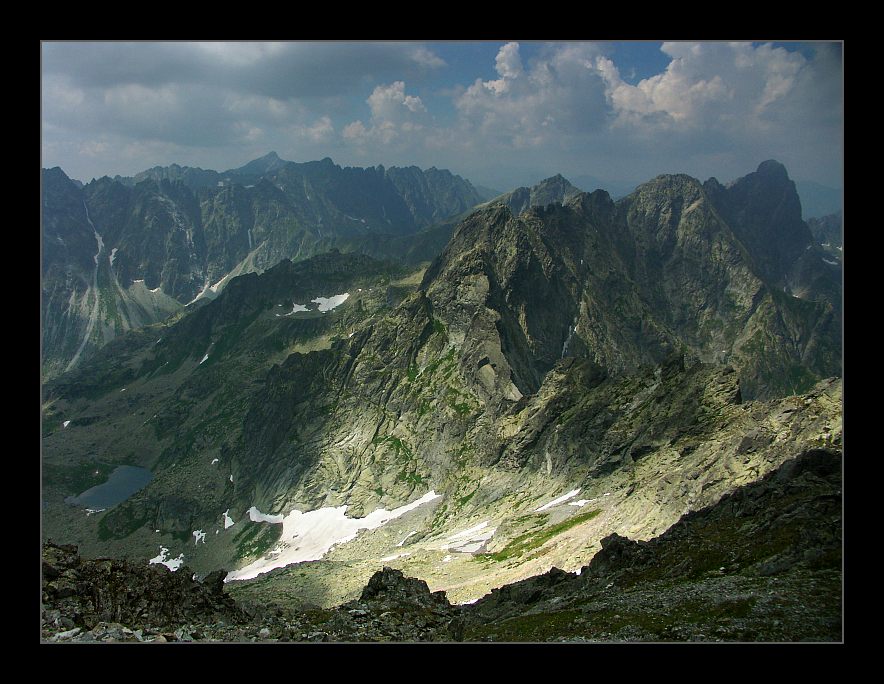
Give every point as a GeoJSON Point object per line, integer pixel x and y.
{"type": "Point", "coordinates": [533, 539]}
{"type": "Point", "coordinates": [255, 539]}
{"type": "Point", "coordinates": [122, 521]}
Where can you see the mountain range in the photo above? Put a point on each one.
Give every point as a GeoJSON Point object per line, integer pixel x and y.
{"type": "Point", "coordinates": [122, 253]}
{"type": "Point", "coordinates": [395, 370]}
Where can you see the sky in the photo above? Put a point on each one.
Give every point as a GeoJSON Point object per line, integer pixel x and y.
{"type": "Point", "coordinates": [499, 113]}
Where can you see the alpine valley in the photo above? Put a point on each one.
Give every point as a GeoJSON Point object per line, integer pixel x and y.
{"type": "Point", "coordinates": [301, 402]}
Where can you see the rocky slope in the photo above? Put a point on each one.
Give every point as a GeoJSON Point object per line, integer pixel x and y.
{"type": "Point", "coordinates": [762, 564]}
{"type": "Point", "coordinates": [384, 413]}
{"type": "Point", "coordinates": [828, 232]}
{"type": "Point", "coordinates": [551, 378]}
{"type": "Point", "coordinates": [628, 283]}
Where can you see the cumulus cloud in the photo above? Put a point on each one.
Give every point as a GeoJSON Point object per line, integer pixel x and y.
{"type": "Point", "coordinates": [723, 85]}
{"type": "Point", "coordinates": [393, 113]}
{"type": "Point", "coordinates": [560, 95]}
{"type": "Point", "coordinates": [714, 109]}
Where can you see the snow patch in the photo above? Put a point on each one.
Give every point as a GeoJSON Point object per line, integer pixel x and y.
{"type": "Point", "coordinates": [163, 559]}
{"type": "Point", "coordinates": [214, 461]}
{"type": "Point", "coordinates": [394, 557]}
{"type": "Point", "coordinates": [93, 511]}
{"type": "Point", "coordinates": [231, 477]}
{"type": "Point", "coordinates": [199, 535]}
{"type": "Point", "coordinates": [831, 263]}
{"type": "Point", "coordinates": [202, 293]}
{"type": "Point", "coordinates": [309, 536]}
{"type": "Point", "coordinates": [329, 303]}
{"type": "Point", "coordinates": [406, 537]}
{"type": "Point", "coordinates": [581, 503]}
{"type": "Point", "coordinates": [257, 516]}
{"type": "Point", "coordinates": [66, 423]}
{"type": "Point", "coordinates": [113, 255]}
{"type": "Point", "coordinates": [447, 559]}
{"type": "Point", "coordinates": [228, 522]}
{"type": "Point", "coordinates": [295, 309]}
{"type": "Point", "coordinates": [204, 358]}
{"type": "Point", "coordinates": [471, 540]}
{"type": "Point", "coordinates": [561, 499]}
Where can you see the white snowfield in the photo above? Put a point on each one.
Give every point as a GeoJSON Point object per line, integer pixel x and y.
{"type": "Point", "coordinates": [309, 536]}
{"type": "Point", "coordinates": [204, 359]}
{"type": "Point", "coordinates": [556, 502]}
{"type": "Point", "coordinates": [163, 559]}
{"type": "Point", "coordinates": [228, 522]}
{"type": "Point", "coordinates": [66, 423]}
{"type": "Point", "coordinates": [581, 502]}
{"type": "Point", "coordinates": [199, 535]}
{"type": "Point", "coordinates": [257, 516]}
{"type": "Point", "coordinates": [329, 303]}
{"type": "Point", "coordinates": [295, 309]}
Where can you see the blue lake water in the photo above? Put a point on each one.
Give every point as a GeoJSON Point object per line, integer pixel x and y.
{"type": "Point", "coordinates": [123, 482]}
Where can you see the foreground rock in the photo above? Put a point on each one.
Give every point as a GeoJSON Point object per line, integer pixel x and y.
{"type": "Point", "coordinates": [108, 600]}
{"type": "Point", "coordinates": [763, 564]}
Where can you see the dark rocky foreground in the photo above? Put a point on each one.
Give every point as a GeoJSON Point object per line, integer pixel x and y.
{"type": "Point", "coordinates": [762, 564]}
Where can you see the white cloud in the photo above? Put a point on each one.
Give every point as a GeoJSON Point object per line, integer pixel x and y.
{"type": "Point", "coordinates": [725, 86]}
{"type": "Point", "coordinates": [240, 54]}
{"type": "Point", "coordinates": [560, 94]}
{"type": "Point", "coordinates": [389, 103]}
{"type": "Point", "coordinates": [321, 130]}
{"type": "Point", "coordinates": [426, 58]}
{"type": "Point", "coordinates": [393, 113]}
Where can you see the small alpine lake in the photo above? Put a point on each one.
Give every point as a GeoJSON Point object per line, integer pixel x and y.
{"type": "Point", "coordinates": [123, 482]}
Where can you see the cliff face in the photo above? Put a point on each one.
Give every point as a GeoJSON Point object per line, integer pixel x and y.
{"type": "Point", "coordinates": [628, 283]}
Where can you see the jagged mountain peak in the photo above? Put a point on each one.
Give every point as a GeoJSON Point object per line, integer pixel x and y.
{"type": "Point", "coordinates": [553, 190]}
{"type": "Point", "coordinates": [771, 168]}
{"type": "Point", "coordinates": [260, 166]}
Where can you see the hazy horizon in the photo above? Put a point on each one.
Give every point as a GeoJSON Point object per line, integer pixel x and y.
{"type": "Point", "coordinates": [499, 113]}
